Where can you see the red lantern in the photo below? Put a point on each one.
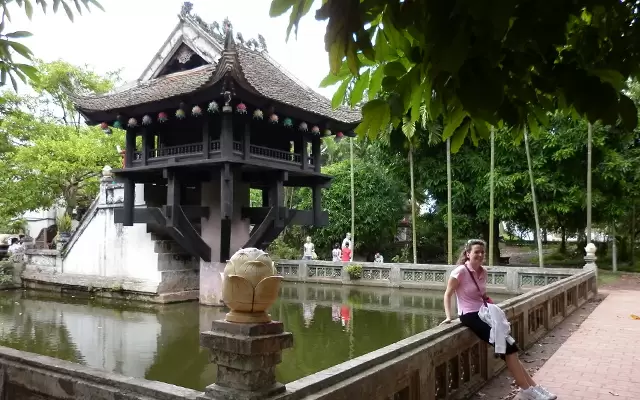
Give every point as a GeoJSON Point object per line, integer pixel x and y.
{"type": "Point", "coordinates": [339, 134]}
{"type": "Point", "coordinates": [104, 126]}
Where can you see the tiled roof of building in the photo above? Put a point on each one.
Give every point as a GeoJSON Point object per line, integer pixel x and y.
{"type": "Point", "coordinates": [164, 87]}
{"type": "Point", "coordinates": [255, 67]}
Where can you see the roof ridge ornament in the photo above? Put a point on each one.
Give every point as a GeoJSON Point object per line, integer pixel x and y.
{"type": "Point", "coordinates": [229, 42]}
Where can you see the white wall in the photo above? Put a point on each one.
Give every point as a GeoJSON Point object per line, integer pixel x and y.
{"type": "Point", "coordinates": [108, 249]}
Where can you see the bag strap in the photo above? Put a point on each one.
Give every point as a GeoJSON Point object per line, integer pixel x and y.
{"type": "Point", "coordinates": [484, 297]}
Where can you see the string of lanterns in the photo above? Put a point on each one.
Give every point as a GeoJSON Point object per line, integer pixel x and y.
{"type": "Point", "coordinates": [214, 108]}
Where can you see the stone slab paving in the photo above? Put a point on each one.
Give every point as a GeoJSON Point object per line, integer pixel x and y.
{"type": "Point", "coordinates": [601, 359]}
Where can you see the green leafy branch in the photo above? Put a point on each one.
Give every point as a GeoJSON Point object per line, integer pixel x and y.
{"type": "Point", "coordinates": [9, 47]}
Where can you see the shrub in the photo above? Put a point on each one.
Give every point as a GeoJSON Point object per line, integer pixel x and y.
{"type": "Point", "coordinates": [354, 271]}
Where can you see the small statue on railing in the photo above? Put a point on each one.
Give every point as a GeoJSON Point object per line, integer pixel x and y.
{"type": "Point", "coordinates": [309, 250]}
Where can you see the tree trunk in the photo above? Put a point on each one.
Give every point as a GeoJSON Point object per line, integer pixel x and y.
{"type": "Point", "coordinates": [492, 241]}
{"type": "Point", "coordinates": [614, 255]}
{"type": "Point", "coordinates": [533, 198]}
{"type": "Point", "coordinates": [413, 207]}
{"type": "Point", "coordinates": [632, 247]}
{"type": "Point", "coordinates": [449, 209]}
{"type": "Point", "coordinates": [563, 240]}
{"type": "Point", "coordinates": [589, 145]}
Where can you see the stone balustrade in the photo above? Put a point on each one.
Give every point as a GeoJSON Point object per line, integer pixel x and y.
{"type": "Point", "coordinates": [512, 280]}
{"type": "Point", "coordinates": [447, 362]}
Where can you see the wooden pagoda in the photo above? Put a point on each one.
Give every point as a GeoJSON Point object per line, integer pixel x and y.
{"type": "Point", "coordinates": [211, 118]}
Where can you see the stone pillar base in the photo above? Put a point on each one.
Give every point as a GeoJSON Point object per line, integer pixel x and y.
{"type": "Point", "coordinates": [246, 355]}
{"type": "Point", "coordinates": [217, 392]}
{"type": "Point", "coordinates": [211, 283]}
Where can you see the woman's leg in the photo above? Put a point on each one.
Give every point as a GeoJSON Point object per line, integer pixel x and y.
{"type": "Point", "coordinates": [530, 380]}
{"type": "Point", "coordinates": [522, 378]}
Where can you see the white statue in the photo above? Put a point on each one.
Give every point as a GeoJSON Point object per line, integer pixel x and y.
{"type": "Point", "coordinates": [309, 252]}
{"type": "Point", "coordinates": [378, 259]}
{"type": "Point", "coordinates": [347, 241]}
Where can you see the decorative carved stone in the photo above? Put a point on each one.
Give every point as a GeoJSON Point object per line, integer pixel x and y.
{"type": "Point", "coordinates": [590, 257]}
{"type": "Point", "coordinates": [184, 55]}
{"type": "Point", "coordinates": [247, 346]}
{"type": "Point", "coordinates": [250, 286]}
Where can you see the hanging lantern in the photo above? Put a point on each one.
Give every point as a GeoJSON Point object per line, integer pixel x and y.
{"type": "Point", "coordinates": [273, 118]}
{"type": "Point", "coordinates": [213, 107]}
{"type": "Point", "coordinates": [117, 125]}
{"type": "Point", "coordinates": [196, 111]}
{"type": "Point", "coordinates": [162, 117]}
{"type": "Point", "coordinates": [340, 134]}
{"type": "Point", "coordinates": [104, 126]}
{"type": "Point", "coordinates": [288, 122]}
{"type": "Point", "coordinates": [132, 123]}
{"type": "Point", "coordinates": [241, 108]}
{"type": "Point", "coordinates": [338, 137]}
{"type": "Point", "coordinates": [258, 114]}
{"type": "Point", "coordinates": [180, 114]}
{"type": "Point", "coordinates": [146, 120]}
{"type": "Point", "coordinates": [326, 132]}
{"type": "Point", "coordinates": [315, 130]}
{"type": "Point", "coordinates": [303, 126]}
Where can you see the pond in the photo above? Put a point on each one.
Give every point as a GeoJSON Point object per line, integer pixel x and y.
{"type": "Point", "coordinates": [330, 324]}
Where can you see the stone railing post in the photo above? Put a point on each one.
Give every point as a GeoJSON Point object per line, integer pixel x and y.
{"type": "Point", "coordinates": [107, 178]}
{"type": "Point", "coordinates": [247, 345]}
{"type": "Point", "coordinates": [590, 257]}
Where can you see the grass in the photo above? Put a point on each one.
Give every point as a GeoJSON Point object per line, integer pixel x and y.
{"type": "Point", "coordinates": [606, 277]}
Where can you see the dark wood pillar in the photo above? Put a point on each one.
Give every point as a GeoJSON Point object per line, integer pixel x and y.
{"type": "Point", "coordinates": [315, 150]}
{"type": "Point", "coordinates": [246, 142]}
{"type": "Point", "coordinates": [316, 201]}
{"type": "Point", "coordinates": [128, 201]}
{"type": "Point", "coordinates": [265, 197]}
{"type": "Point", "coordinates": [145, 145]}
{"type": "Point", "coordinates": [206, 137]}
{"type": "Point", "coordinates": [226, 135]}
{"type": "Point", "coordinates": [276, 198]}
{"type": "Point", "coordinates": [130, 147]}
{"type": "Point", "coordinates": [226, 211]}
{"type": "Point", "coordinates": [173, 197]}
{"type": "Point", "coordinates": [305, 154]}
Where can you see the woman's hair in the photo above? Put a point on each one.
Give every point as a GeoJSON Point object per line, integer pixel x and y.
{"type": "Point", "coordinates": [336, 246]}
{"type": "Point", "coordinates": [464, 257]}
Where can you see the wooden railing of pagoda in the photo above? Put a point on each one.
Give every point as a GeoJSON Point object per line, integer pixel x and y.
{"type": "Point", "coordinates": [191, 151]}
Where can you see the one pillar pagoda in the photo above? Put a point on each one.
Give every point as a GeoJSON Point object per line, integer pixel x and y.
{"type": "Point", "coordinates": [211, 119]}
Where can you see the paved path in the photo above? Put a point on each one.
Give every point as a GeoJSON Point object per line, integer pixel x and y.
{"type": "Point", "coordinates": [601, 360]}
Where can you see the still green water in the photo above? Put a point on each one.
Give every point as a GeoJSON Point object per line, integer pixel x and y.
{"type": "Point", "coordinates": [330, 324]}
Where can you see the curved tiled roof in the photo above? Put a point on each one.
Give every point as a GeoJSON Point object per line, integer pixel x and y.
{"type": "Point", "coordinates": [256, 68]}
{"type": "Point", "coordinates": [149, 91]}
{"type": "Point", "coordinates": [273, 82]}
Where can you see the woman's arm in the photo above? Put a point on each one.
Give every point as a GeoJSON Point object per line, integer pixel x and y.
{"type": "Point", "coordinates": [451, 288]}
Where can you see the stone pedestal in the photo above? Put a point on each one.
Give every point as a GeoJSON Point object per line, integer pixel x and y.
{"type": "Point", "coordinates": [246, 355]}
{"type": "Point", "coordinates": [590, 258]}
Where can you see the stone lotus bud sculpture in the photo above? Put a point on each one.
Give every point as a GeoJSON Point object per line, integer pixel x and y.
{"type": "Point", "coordinates": [250, 286]}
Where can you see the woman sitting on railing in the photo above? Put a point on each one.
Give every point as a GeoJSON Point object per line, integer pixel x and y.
{"type": "Point", "coordinates": [469, 282]}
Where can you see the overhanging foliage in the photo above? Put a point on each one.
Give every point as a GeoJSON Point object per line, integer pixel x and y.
{"type": "Point", "coordinates": [481, 63]}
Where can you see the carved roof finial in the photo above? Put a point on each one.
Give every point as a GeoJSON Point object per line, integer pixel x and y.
{"type": "Point", "coordinates": [229, 43]}
{"type": "Point", "coordinates": [187, 7]}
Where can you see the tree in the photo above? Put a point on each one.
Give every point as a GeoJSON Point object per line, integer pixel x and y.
{"type": "Point", "coordinates": [380, 206]}
{"type": "Point", "coordinates": [493, 67]}
{"type": "Point", "coordinates": [59, 162]}
{"type": "Point", "coordinates": [9, 47]}
{"type": "Point", "coordinates": [57, 78]}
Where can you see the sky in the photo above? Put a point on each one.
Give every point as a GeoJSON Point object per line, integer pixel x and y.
{"type": "Point", "coordinates": [129, 33]}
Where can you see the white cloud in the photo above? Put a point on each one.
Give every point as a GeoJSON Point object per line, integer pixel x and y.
{"type": "Point", "coordinates": [130, 32]}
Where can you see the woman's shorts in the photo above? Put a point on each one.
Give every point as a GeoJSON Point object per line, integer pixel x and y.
{"type": "Point", "coordinates": [483, 330]}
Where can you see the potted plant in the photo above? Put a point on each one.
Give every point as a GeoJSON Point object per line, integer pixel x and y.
{"type": "Point", "coordinates": [354, 271]}
{"type": "Point", "coordinates": [64, 228]}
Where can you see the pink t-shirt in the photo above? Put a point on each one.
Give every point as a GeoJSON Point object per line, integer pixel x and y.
{"type": "Point", "coordinates": [468, 298]}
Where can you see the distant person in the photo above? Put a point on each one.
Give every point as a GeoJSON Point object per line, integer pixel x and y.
{"type": "Point", "coordinates": [345, 255]}
{"type": "Point", "coordinates": [336, 254]}
{"type": "Point", "coordinates": [15, 247]}
{"type": "Point", "coordinates": [378, 259]}
{"type": "Point", "coordinates": [476, 310]}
